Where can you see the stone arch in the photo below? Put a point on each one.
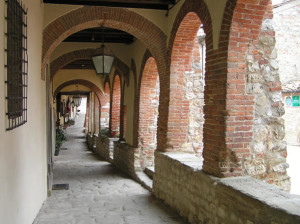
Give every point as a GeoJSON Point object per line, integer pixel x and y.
{"type": "Point", "coordinates": [83, 82]}
{"type": "Point", "coordinates": [117, 18]}
{"type": "Point", "coordinates": [65, 59]}
{"type": "Point", "coordinates": [148, 112]}
{"type": "Point", "coordinates": [115, 109]}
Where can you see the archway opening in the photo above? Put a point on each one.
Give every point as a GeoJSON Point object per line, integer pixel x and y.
{"type": "Point", "coordinates": [149, 102]}
{"type": "Point", "coordinates": [115, 107]}
{"type": "Point", "coordinates": [105, 108]}
{"type": "Point", "coordinates": [286, 14]}
{"type": "Point", "coordinates": [185, 129]}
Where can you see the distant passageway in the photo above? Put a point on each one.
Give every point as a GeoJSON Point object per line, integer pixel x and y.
{"type": "Point", "coordinates": [98, 192]}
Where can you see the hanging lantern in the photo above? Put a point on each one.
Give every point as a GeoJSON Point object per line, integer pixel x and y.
{"type": "Point", "coordinates": [103, 62]}
{"type": "Point", "coordinates": [77, 98]}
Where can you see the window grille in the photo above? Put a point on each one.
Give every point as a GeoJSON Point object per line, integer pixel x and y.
{"type": "Point", "coordinates": [16, 64]}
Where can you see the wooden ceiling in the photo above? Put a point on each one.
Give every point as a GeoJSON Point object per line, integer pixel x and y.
{"type": "Point", "coordinates": [144, 4]}
{"type": "Point", "coordinates": [104, 34]}
{"type": "Point", "coordinates": [80, 64]}
{"type": "Point", "coordinates": [99, 34]}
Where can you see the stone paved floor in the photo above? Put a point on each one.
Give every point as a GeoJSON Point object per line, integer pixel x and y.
{"type": "Point", "coordinates": [98, 192]}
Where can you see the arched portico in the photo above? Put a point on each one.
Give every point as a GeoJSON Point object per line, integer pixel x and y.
{"type": "Point", "coordinates": [117, 18]}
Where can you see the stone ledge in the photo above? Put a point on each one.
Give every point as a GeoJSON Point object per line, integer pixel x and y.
{"type": "Point", "coordinates": [186, 159]}
{"type": "Point", "coordinates": [199, 196]}
{"type": "Point", "coordinates": [266, 193]}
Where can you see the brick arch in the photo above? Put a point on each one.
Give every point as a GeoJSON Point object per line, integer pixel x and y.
{"type": "Point", "coordinates": [65, 59]}
{"type": "Point", "coordinates": [185, 56]}
{"type": "Point", "coordinates": [148, 112]}
{"type": "Point", "coordinates": [83, 82]}
{"type": "Point", "coordinates": [105, 109]}
{"type": "Point", "coordinates": [146, 56]}
{"type": "Point", "coordinates": [229, 110]}
{"type": "Point", "coordinates": [198, 7]}
{"type": "Point", "coordinates": [115, 109]}
{"type": "Point", "coordinates": [117, 18]}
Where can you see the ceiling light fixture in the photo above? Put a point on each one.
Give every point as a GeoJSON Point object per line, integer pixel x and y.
{"type": "Point", "coordinates": [103, 62]}
{"type": "Point", "coordinates": [77, 98]}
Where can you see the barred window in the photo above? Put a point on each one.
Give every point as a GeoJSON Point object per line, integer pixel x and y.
{"type": "Point", "coordinates": [16, 64]}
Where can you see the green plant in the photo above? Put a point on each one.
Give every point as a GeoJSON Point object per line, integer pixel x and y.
{"type": "Point", "coordinates": [59, 139]}
{"type": "Point", "coordinates": [104, 131]}
{"type": "Point", "coordinates": [70, 122]}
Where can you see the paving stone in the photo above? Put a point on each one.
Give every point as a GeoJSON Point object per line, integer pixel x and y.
{"type": "Point", "coordinates": [98, 192]}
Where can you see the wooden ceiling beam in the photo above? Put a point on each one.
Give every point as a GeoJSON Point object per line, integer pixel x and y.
{"type": "Point", "coordinates": [144, 4]}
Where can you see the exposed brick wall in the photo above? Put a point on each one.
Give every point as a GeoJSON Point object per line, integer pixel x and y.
{"type": "Point", "coordinates": [115, 105]}
{"type": "Point", "coordinates": [263, 82]}
{"type": "Point", "coordinates": [105, 109]}
{"type": "Point", "coordinates": [228, 108]}
{"type": "Point", "coordinates": [200, 9]}
{"type": "Point", "coordinates": [181, 62]}
{"type": "Point", "coordinates": [185, 59]}
{"type": "Point", "coordinates": [148, 112]}
{"type": "Point", "coordinates": [137, 97]}
{"type": "Point", "coordinates": [117, 18]}
{"type": "Point", "coordinates": [97, 115]}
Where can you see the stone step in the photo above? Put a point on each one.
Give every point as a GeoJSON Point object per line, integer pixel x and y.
{"type": "Point", "coordinates": [149, 171]}
{"type": "Point", "coordinates": [144, 180]}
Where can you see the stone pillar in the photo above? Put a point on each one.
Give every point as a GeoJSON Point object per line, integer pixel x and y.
{"type": "Point", "coordinates": [268, 148]}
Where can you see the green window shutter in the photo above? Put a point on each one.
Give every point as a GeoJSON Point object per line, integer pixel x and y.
{"type": "Point", "coordinates": [296, 101]}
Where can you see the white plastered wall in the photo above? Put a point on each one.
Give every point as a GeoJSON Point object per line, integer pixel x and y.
{"type": "Point", "coordinates": [64, 75]}
{"type": "Point", "coordinates": [23, 165]}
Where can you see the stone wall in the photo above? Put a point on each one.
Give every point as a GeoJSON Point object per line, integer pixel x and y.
{"type": "Point", "coordinates": [292, 125]}
{"type": "Point", "coordinates": [102, 147]}
{"type": "Point", "coordinates": [148, 113]}
{"type": "Point", "coordinates": [194, 93]}
{"type": "Point", "coordinates": [287, 27]}
{"type": "Point", "coordinates": [91, 141]}
{"type": "Point", "coordinates": [201, 198]}
{"type": "Point", "coordinates": [124, 158]}
{"type": "Point", "coordinates": [267, 159]}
